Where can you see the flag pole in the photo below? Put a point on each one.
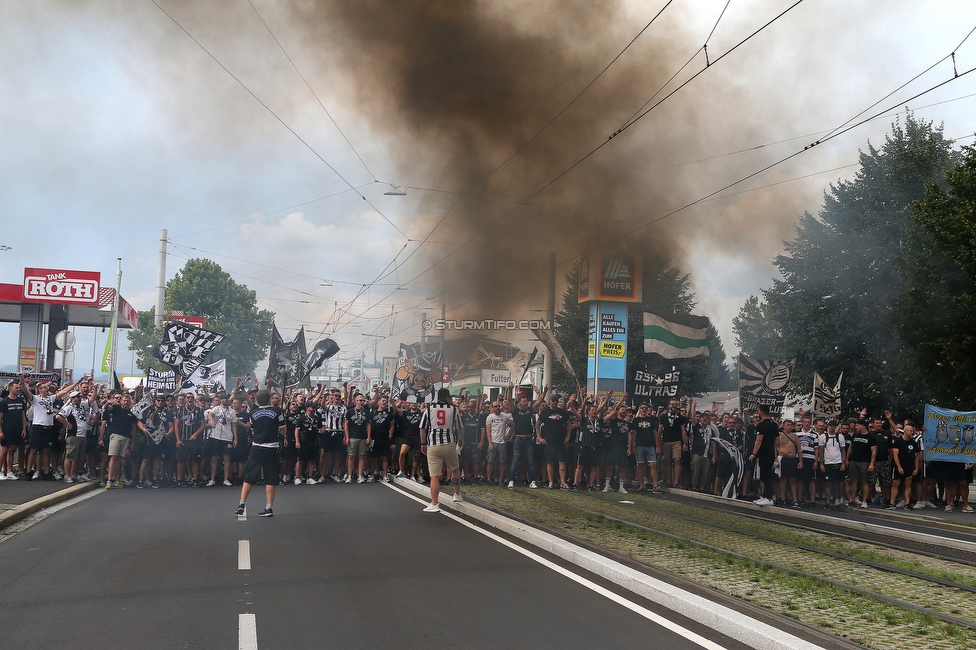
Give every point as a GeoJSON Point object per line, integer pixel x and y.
{"type": "Point", "coordinates": [113, 359]}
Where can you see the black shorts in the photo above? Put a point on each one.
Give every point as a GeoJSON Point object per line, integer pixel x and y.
{"type": "Point", "coordinates": [213, 447]}
{"type": "Point", "coordinates": [379, 448]}
{"type": "Point", "coordinates": [955, 472]}
{"type": "Point", "coordinates": [42, 437]}
{"type": "Point", "coordinates": [262, 460]}
{"type": "Point", "coordinates": [240, 451]}
{"type": "Point", "coordinates": [808, 471]}
{"type": "Point", "coordinates": [555, 452]}
{"type": "Point", "coordinates": [834, 474]}
{"type": "Point", "coordinates": [289, 453]}
{"type": "Point", "coordinates": [190, 450]}
{"type": "Point", "coordinates": [590, 456]}
{"type": "Point", "coordinates": [412, 441]}
{"type": "Point", "coordinates": [788, 467]}
{"type": "Point", "coordinates": [309, 451]}
{"type": "Point", "coordinates": [165, 450]}
{"type": "Point", "coordinates": [12, 438]}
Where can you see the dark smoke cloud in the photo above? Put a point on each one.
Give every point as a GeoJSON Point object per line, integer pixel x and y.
{"type": "Point", "coordinates": [459, 88]}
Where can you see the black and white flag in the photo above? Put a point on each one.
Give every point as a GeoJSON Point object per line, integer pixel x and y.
{"type": "Point", "coordinates": [657, 389]}
{"type": "Point", "coordinates": [286, 361]}
{"type": "Point", "coordinates": [826, 400]}
{"type": "Point", "coordinates": [184, 347]}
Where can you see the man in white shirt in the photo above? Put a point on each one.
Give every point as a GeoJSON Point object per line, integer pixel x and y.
{"type": "Point", "coordinates": [499, 428]}
{"type": "Point", "coordinates": [222, 420]}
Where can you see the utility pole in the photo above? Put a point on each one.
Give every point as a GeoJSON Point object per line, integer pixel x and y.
{"type": "Point", "coordinates": [550, 314]}
{"type": "Point", "coordinates": [161, 278]}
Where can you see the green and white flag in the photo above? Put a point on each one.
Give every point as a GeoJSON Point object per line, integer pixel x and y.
{"type": "Point", "coordinates": [680, 336]}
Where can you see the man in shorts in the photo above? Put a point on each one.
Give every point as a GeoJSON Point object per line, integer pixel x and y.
{"type": "Point", "coordinates": [13, 430]}
{"type": "Point", "coordinates": [222, 420]}
{"type": "Point", "coordinates": [498, 427]}
{"type": "Point", "coordinates": [267, 426]}
{"type": "Point", "coordinates": [357, 437]}
{"type": "Point", "coordinates": [861, 454]}
{"type": "Point", "coordinates": [553, 430]}
{"type": "Point", "coordinates": [833, 463]}
{"type": "Point", "coordinates": [645, 427]}
{"type": "Point", "coordinates": [440, 428]}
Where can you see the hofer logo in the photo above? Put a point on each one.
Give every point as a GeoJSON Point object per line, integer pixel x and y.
{"type": "Point", "coordinates": [72, 287]}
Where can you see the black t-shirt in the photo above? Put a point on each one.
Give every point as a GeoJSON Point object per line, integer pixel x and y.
{"type": "Point", "coordinates": [769, 432]}
{"type": "Point", "coordinates": [885, 443]}
{"type": "Point", "coordinates": [13, 409]}
{"type": "Point", "coordinates": [120, 421]}
{"type": "Point", "coordinates": [471, 423]}
{"type": "Point", "coordinates": [358, 419]}
{"type": "Point", "coordinates": [644, 430]}
{"type": "Point", "coordinates": [553, 424]}
{"type": "Point", "coordinates": [265, 422]}
{"type": "Point", "coordinates": [380, 421]}
{"type": "Point", "coordinates": [672, 423]}
{"type": "Point", "coordinates": [860, 447]}
{"type": "Point", "coordinates": [619, 433]}
{"type": "Point", "coordinates": [907, 451]}
{"type": "Point", "coordinates": [410, 423]}
{"type": "Point", "coordinates": [308, 428]}
{"type": "Point", "coordinates": [522, 420]}
{"type": "Point", "coordinates": [701, 440]}
{"type": "Point", "coordinates": [190, 419]}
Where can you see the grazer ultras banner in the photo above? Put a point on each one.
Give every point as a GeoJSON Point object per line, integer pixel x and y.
{"type": "Point", "coordinates": [764, 381]}
{"type": "Point", "coordinates": [950, 436]}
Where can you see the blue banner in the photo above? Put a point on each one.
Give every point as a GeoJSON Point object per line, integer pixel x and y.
{"type": "Point", "coordinates": [950, 435]}
{"type": "Point", "coordinates": [606, 359]}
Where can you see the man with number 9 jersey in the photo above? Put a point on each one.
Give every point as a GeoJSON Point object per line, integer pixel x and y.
{"type": "Point", "coordinates": [440, 427]}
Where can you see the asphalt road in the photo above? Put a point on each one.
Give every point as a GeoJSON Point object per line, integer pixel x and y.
{"type": "Point", "coordinates": [339, 566]}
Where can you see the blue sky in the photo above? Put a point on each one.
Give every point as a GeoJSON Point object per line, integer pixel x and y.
{"type": "Point", "coordinates": [115, 124]}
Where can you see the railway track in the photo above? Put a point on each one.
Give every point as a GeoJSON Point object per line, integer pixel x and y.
{"type": "Point", "coordinates": [931, 585]}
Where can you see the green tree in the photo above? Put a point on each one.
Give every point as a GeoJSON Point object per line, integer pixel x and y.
{"type": "Point", "coordinates": [833, 308]}
{"type": "Point", "coordinates": [939, 297]}
{"type": "Point", "coordinates": [202, 288]}
{"type": "Point", "coordinates": [665, 290]}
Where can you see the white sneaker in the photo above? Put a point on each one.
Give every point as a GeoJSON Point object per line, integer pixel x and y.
{"type": "Point", "coordinates": [360, 480]}
{"type": "Point", "coordinates": [864, 505]}
{"type": "Point", "coordinates": [401, 475]}
{"type": "Point", "coordinates": [948, 508]}
{"type": "Point", "coordinates": [310, 481]}
{"type": "Point", "coordinates": [533, 485]}
{"type": "Point", "coordinates": [387, 479]}
{"type": "Point", "coordinates": [211, 483]}
{"type": "Point", "coordinates": [622, 490]}
{"type": "Point", "coordinates": [226, 483]}
{"type": "Point", "coordinates": [348, 479]}
{"type": "Point", "coordinates": [36, 476]}
{"type": "Point", "coordinates": [11, 476]}
{"type": "Point", "coordinates": [3, 476]}
{"type": "Point", "coordinates": [458, 498]}
{"type": "Point", "coordinates": [606, 488]}
{"type": "Point", "coordinates": [764, 502]}
{"type": "Point", "coordinates": [511, 484]}
{"type": "Point", "coordinates": [68, 480]}
{"type": "Point", "coordinates": [432, 508]}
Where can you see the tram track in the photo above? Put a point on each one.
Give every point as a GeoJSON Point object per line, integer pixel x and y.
{"type": "Point", "coordinates": [925, 591]}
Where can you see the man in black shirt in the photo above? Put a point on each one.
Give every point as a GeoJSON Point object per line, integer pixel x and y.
{"type": "Point", "coordinates": [862, 450]}
{"type": "Point", "coordinates": [554, 432]}
{"type": "Point", "coordinates": [906, 456]}
{"type": "Point", "coordinates": [522, 420]}
{"type": "Point", "coordinates": [764, 453]}
{"type": "Point", "coordinates": [267, 425]}
{"type": "Point", "coordinates": [357, 437]}
{"type": "Point", "coordinates": [13, 430]}
{"type": "Point", "coordinates": [620, 443]}
{"type": "Point", "coordinates": [673, 441]}
{"type": "Point", "coordinates": [644, 428]}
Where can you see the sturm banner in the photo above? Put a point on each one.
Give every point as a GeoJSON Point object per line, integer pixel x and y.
{"type": "Point", "coordinates": [418, 375]}
{"type": "Point", "coordinates": [826, 400]}
{"type": "Point", "coordinates": [184, 347]}
{"type": "Point", "coordinates": [950, 436]}
{"type": "Point", "coordinates": [764, 381]}
{"type": "Point", "coordinates": [157, 380]}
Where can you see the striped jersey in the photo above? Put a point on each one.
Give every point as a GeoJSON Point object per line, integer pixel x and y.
{"type": "Point", "coordinates": [442, 422]}
{"type": "Point", "coordinates": [332, 417]}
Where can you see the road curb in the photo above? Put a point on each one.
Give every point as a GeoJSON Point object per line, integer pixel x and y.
{"type": "Point", "coordinates": [25, 510]}
{"type": "Point", "coordinates": [749, 631]}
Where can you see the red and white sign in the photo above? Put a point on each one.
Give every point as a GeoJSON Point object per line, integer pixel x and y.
{"type": "Point", "coordinates": [61, 287]}
{"type": "Point", "coordinates": [199, 321]}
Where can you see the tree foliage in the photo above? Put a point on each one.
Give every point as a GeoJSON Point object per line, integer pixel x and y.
{"type": "Point", "coordinates": [939, 301]}
{"type": "Point", "coordinates": [202, 288]}
{"type": "Point", "coordinates": [835, 306]}
{"type": "Point", "coordinates": [665, 291]}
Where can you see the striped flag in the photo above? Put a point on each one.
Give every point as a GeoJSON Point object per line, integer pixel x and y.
{"type": "Point", "coordinates": [681, 337]}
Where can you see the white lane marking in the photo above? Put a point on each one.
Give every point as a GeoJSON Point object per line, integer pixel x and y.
{"type": "Point", "coordinates": [247, 632]}
{"type": "Point", "coordinates": [589, 584]}
{"type": "Point", "coordinates": [244, 516]}
{"type": "Point", "coordinates": [244, 555]}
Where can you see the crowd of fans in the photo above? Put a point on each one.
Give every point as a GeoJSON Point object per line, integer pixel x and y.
{"type": "Point", "coordinates": [85, 432]}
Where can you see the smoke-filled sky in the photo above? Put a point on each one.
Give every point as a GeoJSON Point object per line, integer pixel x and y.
{"type": "Point", "coordinates": [264, 134]}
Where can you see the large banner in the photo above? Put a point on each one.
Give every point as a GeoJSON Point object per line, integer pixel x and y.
{"type": "Point", "coordinates": [211, 377]}
{"type": "Point", "coordinates": [286, 360]}
{"type": "Point", "coordinates": [764, 381]}
{"type": "Point", "coordinates": [31, 376]}
{"type": "Point", "coordinates": [418, 375]}
{"type": "Point", "coordinates": [950, 435]}
{"type": "Point", "coordinates": [656, 389]}
{"type": "Point", "coordinates": [184, 347]}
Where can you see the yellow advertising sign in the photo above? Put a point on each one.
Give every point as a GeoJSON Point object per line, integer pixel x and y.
{"type": "Point", "coordinates": [612, 349]}
{"type": "Point", "coordinates": [591, 349]}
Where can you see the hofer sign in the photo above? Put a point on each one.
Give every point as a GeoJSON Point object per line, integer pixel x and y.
{"type": "Point", "coordinates": [62, 287]}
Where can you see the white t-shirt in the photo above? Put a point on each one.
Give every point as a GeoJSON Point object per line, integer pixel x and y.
{"type": "Point", "coordinates": [44, 410]}
{"type": "Point", "coordinates": [81, 418]}
{"type": "Point", "coordinates": [223, 419]}
{"type": "Point", "coordinates": [497, 425]}
{"type": "Point", "coordinates": [833, 449]}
